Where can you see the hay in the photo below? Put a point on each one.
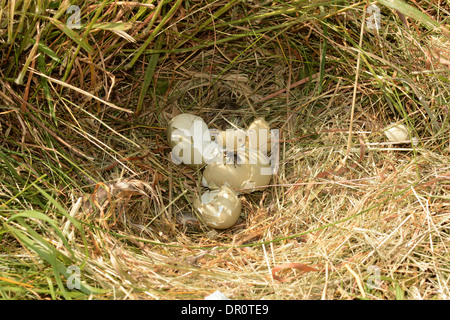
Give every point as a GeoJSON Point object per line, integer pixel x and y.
{"type": "Point", "coordinates": [87, 184]}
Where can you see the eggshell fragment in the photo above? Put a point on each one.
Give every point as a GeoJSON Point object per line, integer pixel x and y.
{"type": "Point", "coordinates": [231, 139]}
{"type": "Point", "coordinates": [249, 171]}
{"type": "Point", "coordinates": [397, 133]}
{"type": "Point", "coordinates": [259, 136]}
{"type": "Point", "coordinates": [190, 140]}
{"type": "Point", "coordinates": [219, 209]}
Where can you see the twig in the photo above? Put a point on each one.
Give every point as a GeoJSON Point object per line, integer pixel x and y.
{"type": "Point", "coordinates": [357, 278]}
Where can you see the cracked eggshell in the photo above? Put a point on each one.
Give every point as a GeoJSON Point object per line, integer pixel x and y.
{"type": "Point", "coordinates": [219, 209]}
{"type": "Point", "coordinates": [397, 133]}
{"type": "Point", "coordinates": [251, 172]}
{"type": "Point", "coordinates": [188, 136]}
{"type": "Point", "coordinates": [259, 136]}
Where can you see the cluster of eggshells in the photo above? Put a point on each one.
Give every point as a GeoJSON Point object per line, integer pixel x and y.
{"type": "Point", "coordinates": [236, 162]}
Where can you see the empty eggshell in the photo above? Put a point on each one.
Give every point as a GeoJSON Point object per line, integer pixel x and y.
{"type": "Point", "coordinates": [181, 127]}
{"type": "Point", "coordinates": [189, 137]}
{"type": "Point", "coordinates": [259, 136]}
{"type": "Point", "coordinates": [219, 209]}
{"type": "Point", "coordinates": [397, 133]}
{"type": "Point", "coordinates": [247, 170]}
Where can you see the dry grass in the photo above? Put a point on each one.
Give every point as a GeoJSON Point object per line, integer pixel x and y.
{"type": "Point", "coordinates": [86, 176]}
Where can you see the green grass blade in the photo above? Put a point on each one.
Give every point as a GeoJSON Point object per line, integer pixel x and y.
{"type": "Point", "coordinates": [39, 215]}
{"type": "Point", "coordinates": [154, 33]}
{"type": "Point", "coordinates": [148, 77]}
{"type": "Point", "coordinates": [75, 37]}
{"type": "Point", "coordinates": [46, 50]}
{"type": "Point", "coordinates": [412, 12]}
{"type": "Point", "coordinates": [49, 253]}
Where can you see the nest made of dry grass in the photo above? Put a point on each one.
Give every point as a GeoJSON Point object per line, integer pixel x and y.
{"type": "Point", "coordinates": [340, 221]}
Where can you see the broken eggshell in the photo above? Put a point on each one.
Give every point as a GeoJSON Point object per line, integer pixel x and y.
{"type": "Point", "coordinates": [189, 137]}
{"type": "Point", "coordinates": [397, 133]}
{"type": "Point", "coordinates": [259, 136]}
{"type": "Point", "coordinates": [246, 170]}
{"type": "Point", "coordinates": [219, 209]}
